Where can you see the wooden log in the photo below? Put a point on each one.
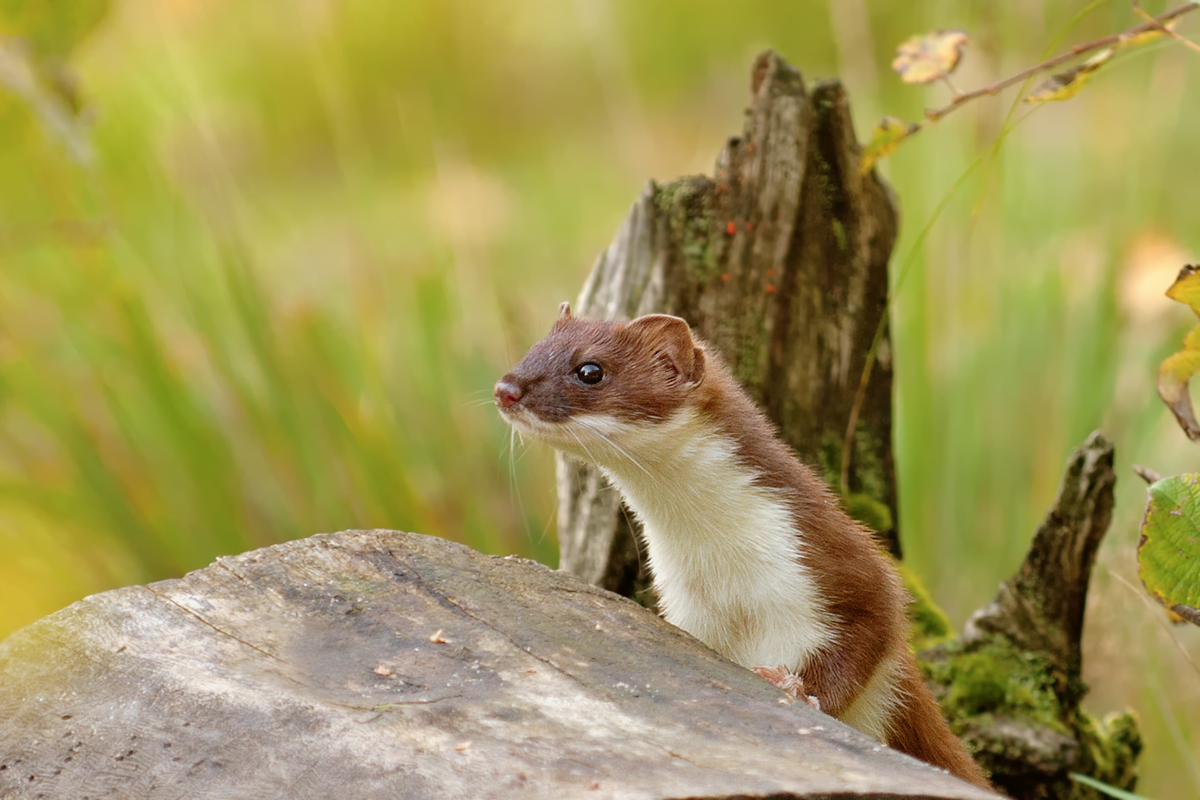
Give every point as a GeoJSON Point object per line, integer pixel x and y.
{"type": "Point", "coordinates": [779, 259]}
{"type": "Point", "coordinates": [377, 664]}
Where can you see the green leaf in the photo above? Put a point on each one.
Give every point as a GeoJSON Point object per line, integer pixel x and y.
{"type": "Point", "coordinates": [1104, 788]}
{"type": "Point", "coordinates": [1169, 549]}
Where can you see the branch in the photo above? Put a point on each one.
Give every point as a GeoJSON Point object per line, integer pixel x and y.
{"type": "Point", "coordinates": [1155, 23]}
{"type": "Point", "coordinates": [1188, 43]}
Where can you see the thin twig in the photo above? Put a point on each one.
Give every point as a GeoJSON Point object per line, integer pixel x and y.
{"type": "Point", "coordinates": [933, 115]}
{"type": "Point", "coordinates": [1155, 23]}
{"type": "Point", "coordinates": [1147, 474]}
{"type": "Point", "coordinates": [1186, 42]}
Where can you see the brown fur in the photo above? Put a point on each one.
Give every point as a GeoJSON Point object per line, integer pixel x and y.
{"type": "Point", "coordinates": [653, 367]}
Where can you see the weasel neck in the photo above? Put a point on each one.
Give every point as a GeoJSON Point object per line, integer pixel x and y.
{"type": "Point", "coordinates": [725, 551]}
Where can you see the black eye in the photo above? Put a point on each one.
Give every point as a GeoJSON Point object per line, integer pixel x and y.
{"type": "Point", "coordinates": [589, 373]}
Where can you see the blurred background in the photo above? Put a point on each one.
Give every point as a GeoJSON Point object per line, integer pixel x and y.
{"type": "Point", "coordinates": [265, 290]}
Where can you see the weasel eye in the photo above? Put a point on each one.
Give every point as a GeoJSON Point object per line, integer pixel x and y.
{"type": "Point", "coordinates": [589, 373]}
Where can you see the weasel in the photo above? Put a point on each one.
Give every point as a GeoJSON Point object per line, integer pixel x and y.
{"type": "Point", "coordinates": [749, 550]}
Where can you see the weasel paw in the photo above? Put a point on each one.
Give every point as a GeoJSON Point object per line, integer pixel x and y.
{"type": "Point", "coordinates": [791, 683]}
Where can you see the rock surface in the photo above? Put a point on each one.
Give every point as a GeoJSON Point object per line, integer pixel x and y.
{"type": "Point", "coordinates": [373, 664]}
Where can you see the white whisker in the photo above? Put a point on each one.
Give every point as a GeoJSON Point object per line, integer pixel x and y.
{"type": "Point", "coordinates": [587, 423]}
{"type": "Point", "coordinates": [591, 457]}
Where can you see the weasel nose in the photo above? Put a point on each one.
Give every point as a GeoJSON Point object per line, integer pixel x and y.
{"type": "Point", "coordinates": [507, 394]}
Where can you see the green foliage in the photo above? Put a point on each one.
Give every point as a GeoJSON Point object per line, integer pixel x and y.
{"type": "Point", "coordinates": [1169, 550]}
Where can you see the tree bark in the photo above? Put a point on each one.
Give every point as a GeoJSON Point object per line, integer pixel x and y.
{"type": "Point", "coordinates": [780, 261]}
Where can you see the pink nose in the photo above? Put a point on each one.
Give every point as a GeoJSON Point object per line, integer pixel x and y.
{"type": "Point", "coordinates": [507, 394]}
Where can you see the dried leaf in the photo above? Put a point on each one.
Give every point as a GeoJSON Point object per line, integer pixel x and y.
{"type": "Point", "coordinates": [1169, 548]}
{"type": "Point", "coordinates": [929, 57]}
{"type": "Point", "coordinates": [1176, 370]}
{"type": "Point", "coordinates": [887, 136]}
{"type": "Point", "coordinates": [1065, 85]}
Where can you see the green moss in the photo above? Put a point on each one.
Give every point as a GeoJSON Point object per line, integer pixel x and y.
{"type": "Point", "coordinates": [930, 626]}
{"type": "Point", "coordinates": [869, 511]}
{"type": "Point", "coordinates": [1002, 702]}
{"type": "Point", "coordinates": [995, 679]}
{"type": "Point", "coordinates": [1109, 751]}
{"type": "Point", "coordinates": [839, 233]}
{"type": "Point", "coordinates": [690, 218]}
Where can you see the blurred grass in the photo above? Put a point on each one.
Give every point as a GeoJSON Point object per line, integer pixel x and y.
{"type": "Point", "coordinates": [312, 234]}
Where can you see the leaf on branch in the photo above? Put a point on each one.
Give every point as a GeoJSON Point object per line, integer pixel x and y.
{"type": "Point", "coordinates": [1177, 369]}
{"type": "Point", "coordinates": [886, 137]}
{"type": "Point", "coordinates": [1143, 37]}
{"type": "Point", "coordinates": [929, 57]}
{"type": "Point", "coordinates": [1169, 548]}
{"type": "Point", "coordinates": [1065, 85]}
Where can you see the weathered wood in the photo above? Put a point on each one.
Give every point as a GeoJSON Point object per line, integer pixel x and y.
{"type": "Point", "coordinates": [377, 664]}
{"type": "Point", "coordinates": [1012, 683]}
{"type": "Point", "coordinates": [780, 261]}
{"type": "Point", "coordinates": [1040, 608]}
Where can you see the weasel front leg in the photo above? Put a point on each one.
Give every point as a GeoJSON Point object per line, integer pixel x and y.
{"type": "Point", "coordinates": [791, 683]}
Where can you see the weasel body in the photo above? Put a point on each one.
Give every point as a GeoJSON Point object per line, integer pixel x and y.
{"type": "Point", "coordinates": [750, 551]}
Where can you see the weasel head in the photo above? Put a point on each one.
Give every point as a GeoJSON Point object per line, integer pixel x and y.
{"type": "Point", "coordinates": [592, 388]}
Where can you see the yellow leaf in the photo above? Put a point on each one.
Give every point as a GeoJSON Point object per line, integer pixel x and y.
{"type": "Point", "coordinates": [1176, 370]}
{"type": "Point", "coordinates": [1142, 37]}
{"type": "Point", "coordinates": [1186, 288]}
{"type": "Point", "coordinates": [930, 56]}
{"type": "Point", "coordinates": [888, 135]}
{"type": "Point", "coordinates": [1173, 376]}
{"type": "Point", "coordinates": [1065, 85]}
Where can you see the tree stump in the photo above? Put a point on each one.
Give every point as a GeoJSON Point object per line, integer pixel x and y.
{"type": "Point", "coordinates": [780, 261]}
{"type": "Point", "coordinates": [377, 664]}
{"type": "Point", "coordinates": [1011, 685]}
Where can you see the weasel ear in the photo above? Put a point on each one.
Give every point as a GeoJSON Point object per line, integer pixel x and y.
{"type": "Point", "coordinates": [564, 315]}
{"type": "Point", "coordinates": [672, 337]}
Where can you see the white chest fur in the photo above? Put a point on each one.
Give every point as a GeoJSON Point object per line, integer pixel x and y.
{"type": "Point", "coordinates": [724, 552]}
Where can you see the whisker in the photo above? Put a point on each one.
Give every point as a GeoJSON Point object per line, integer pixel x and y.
{"type": "Point", "coordinates": [584, 446]}
{"type": "Point", "coordinates": [615, 446]}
